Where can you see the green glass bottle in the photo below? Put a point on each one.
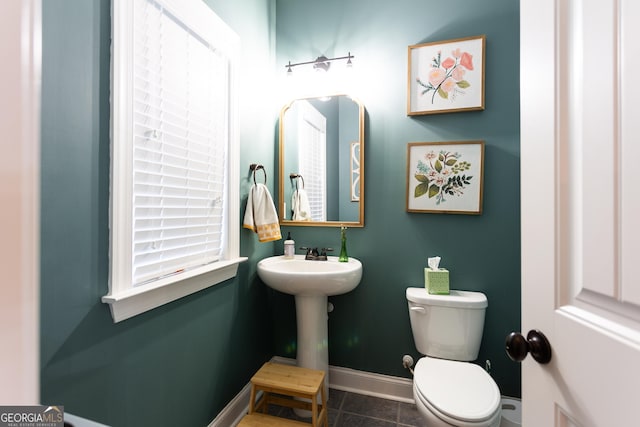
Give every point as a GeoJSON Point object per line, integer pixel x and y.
{"type": "Point", "coordinates": [343, 248]}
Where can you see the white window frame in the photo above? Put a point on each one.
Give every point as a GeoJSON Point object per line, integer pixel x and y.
{"type": "Point", "coordinates": [124, 299]}
{"type": "Point", "coordinates": [312, 157]}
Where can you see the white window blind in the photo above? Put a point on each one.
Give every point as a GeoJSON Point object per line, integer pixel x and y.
{"type": "Point", "coordinates": [312, 158]}
{"type": "Point", "coordinates": [174, 227]}
{"type": "Point", "coordinates": [179, 146]}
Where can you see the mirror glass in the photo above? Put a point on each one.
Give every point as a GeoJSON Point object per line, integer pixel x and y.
{"type": "Point", "coordinates": [322, 162]}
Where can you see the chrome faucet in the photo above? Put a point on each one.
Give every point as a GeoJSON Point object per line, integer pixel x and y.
{"type": "Point", "coordinates": [314, 255]}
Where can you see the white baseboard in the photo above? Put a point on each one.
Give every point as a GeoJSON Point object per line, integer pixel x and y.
{"type": "Point", "coordinates": [367, 383]}
{"type": "Point", "coordinates": [235, 410]}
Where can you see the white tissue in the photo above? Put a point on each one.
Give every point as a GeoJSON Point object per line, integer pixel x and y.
{"type": "Point", "coordinates": [433, 262]}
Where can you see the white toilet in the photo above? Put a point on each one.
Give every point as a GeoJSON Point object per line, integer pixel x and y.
{"type": "Point", "coordinates": [448, 390]}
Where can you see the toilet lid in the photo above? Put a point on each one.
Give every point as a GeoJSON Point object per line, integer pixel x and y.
{"type": "Point", "coordinates": [460, 390]}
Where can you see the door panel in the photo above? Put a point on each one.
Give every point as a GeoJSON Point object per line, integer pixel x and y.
{"type": "Point", "coordinates": [20, 50]}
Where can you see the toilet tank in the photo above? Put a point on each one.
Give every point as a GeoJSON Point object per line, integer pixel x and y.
{"type": "Point", "coordinates": [447, 326]}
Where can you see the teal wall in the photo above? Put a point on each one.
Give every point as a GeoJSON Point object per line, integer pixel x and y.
{"type": "Point", "coordinates": [349, 113]}
{"type": "Point", "coordinates": [177, 365]}
{"type": "Point", "coordinates": [180, 364]}
{"type": "Point", "coordinates": [369, 329]}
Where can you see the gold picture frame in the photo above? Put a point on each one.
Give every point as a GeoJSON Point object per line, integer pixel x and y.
{"type": "Point", "coordinates": [446, 76]}
{"type": "Point", "coordinates": [445, 177]}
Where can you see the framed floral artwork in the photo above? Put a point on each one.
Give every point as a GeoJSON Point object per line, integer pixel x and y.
{"type": "Point", "coordinates": [446, 76]}
{"type": "Point", "coordinates": [445, 177]}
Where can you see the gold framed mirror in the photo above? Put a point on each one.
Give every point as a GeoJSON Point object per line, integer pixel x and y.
{"type": "Point", "coordinates": [321, 162]}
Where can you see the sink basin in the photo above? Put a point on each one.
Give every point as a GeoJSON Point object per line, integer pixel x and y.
{"type": "Point", "coordinates": [311, 282]}
{"type": "Point", "coordinates": [301, 277]}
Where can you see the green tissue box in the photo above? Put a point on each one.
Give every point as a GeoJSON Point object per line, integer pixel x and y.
{"type": "Point", "coordinates": [436, 281]}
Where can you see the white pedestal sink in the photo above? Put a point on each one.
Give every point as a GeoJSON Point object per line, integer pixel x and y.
{"type": "Point", "coordinates": [311, 282]}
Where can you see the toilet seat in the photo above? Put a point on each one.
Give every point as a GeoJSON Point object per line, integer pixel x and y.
{"type": "Point", "coordinates": [459, 393]}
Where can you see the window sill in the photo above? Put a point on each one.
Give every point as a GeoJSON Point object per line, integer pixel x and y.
{"type": "Point", "coordinates": [137, 300]}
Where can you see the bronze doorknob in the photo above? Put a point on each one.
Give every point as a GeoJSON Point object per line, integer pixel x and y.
{"type": "Point", "coordinates": [536, 343]}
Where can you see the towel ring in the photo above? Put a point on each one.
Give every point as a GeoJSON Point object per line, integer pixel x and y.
{"type": "Point", "coordinates": [296, 176]}
{"type": "Point", "coordinates": [254, 167]}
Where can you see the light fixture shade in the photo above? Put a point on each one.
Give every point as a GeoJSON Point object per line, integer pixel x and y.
{"type": "Point", "coordinates": [321, 63]}
{"type": "Point", "coordinates": [322, 66]}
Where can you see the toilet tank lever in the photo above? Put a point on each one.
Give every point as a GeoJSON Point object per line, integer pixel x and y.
{"type": "Point", "coordinates": [418, 309]}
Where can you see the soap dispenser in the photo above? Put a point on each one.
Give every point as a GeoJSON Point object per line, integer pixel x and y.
{"type": "Point", "coordinates": [289, 247]}
{"type": "Point", "coordinates": [343, 247]}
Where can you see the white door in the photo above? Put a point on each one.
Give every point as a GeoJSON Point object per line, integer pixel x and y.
{"type": "Point", "coordinates": [580, 129]}
{"type": "Point", "coordinates": [19, 201]}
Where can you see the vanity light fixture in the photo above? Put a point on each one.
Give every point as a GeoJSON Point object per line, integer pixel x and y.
{"type": "Point", "coordinates": [321, 63]}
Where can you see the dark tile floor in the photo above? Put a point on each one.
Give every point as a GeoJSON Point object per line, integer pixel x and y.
{"type": "Point", "coordinates": [348, 409]}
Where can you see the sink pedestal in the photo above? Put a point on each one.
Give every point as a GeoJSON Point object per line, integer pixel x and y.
{"type": "Point", "coordinates": [312, 347]}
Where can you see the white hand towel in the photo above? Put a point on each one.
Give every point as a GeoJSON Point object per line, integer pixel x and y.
{"type": "Point", "coordinates": [260, 215]}
{"type": "Point", "coordinates": [301, 207]}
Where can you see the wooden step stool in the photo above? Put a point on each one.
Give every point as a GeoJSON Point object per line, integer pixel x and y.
{"type": "Point", "coordinates": [263, 420]}
{"type": "Point", "coordinates": [277, 380]}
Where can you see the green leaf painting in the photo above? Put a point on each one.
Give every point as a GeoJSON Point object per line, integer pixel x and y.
{"type": "Point", "coordinates": [421, 189]}
{"type": "Point", "coordinates": [441, 175]}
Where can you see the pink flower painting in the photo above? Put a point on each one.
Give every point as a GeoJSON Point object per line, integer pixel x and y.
{"type": "Point", "coordinates": [446, 77]}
